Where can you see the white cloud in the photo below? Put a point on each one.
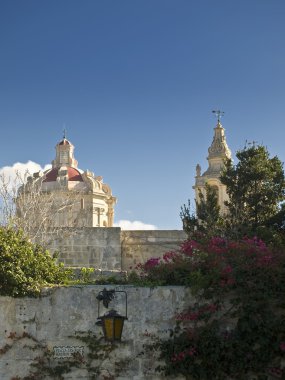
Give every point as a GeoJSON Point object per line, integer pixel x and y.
{"type": "Point", "coordinates": [135, 225]}
{"type": "Point", "coordinates": [19, 169]}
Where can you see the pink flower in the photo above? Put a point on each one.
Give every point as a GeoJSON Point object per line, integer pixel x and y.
{"type": "Point", "coordinates": [282, 346]}
{"type": "Point", "coordinates": [233, 245]}
{"type": "Point", "coordinates": [218, 241]}
{"type": "Point", "coordinates": [217, 245]}
{"type": "Point", "coordinates": [169, 256]}
{"type": "Point", "coordinates": [152, 263]}
{"type": "Point", "coordinates": [188, 247]}
{"type": "Point", "coordinates": [255, 241]}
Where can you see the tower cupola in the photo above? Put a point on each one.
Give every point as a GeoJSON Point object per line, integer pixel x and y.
{"type": "Point", "coordinates": [64, 155]}
{"type": "Point", "coordinates": [218, 152]}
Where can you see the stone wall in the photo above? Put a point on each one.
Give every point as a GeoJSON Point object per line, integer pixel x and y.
{"type": "Point", "coordinates": [87, 247]}
{"type": "Point", "coordinates": [110, 249]}
{"type": "Point", "coordinates": [30, 326]}
{"type": "Point", "coordinates": [139, 246]}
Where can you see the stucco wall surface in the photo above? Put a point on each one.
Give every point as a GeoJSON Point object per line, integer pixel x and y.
{"type": "Point", "coordinates": [53, 320]}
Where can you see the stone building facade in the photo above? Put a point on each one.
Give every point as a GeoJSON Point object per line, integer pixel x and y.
{"type": "Point", "coordinates": [81, 202]}
{"type": "Point", "coordinates": [73, 205]}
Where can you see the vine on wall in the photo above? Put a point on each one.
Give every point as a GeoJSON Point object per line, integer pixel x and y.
{"type": "Point", "coordinates": [45, 364]}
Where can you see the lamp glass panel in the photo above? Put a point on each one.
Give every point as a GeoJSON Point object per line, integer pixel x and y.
{"type": "Point", "coordinates": [113, 327]}
{"type": "Point", "coordinates": [109, 328]}
{"type": "Point", "coordinates": [119, 323]}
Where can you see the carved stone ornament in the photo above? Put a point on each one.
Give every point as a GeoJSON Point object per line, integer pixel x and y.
{"type": "Point", "coordinates": [219, 145]}
{"type": "Point", "coordinates": [198, 170]}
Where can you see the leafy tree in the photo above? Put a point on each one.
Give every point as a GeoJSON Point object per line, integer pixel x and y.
{"type": "Point", "coordinates": [255, 186]}
{"type": "Point", "coordinates": [278, 220]}
{"type": "Point", "coordinates": [189, 219]}
{"type": "Point", "coordinates": [208, 219]}
{"type": "Point", "coordinates": [26, 267]}
{"type": "Point", "coordinates": [208, 210]}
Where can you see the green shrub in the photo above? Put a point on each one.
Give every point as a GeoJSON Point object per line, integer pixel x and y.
{"type": "Point", "coordinates": [26, 267]}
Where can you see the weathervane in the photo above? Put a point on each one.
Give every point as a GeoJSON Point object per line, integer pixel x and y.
{"type": "Point", "coordinates": [64, 132]}
{"type": "Point", "coordinates": [218, 114]}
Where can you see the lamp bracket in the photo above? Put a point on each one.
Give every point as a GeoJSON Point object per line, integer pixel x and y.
{"type": "Point", "coordinates": [106, 296]}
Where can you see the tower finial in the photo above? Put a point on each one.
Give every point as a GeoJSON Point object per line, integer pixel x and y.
{"type": "Point", "coordinates": [218, 114]}
{"type": "Point", "coordinates": [64, 132]}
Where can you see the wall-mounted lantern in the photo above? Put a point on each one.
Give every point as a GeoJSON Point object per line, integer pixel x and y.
{"type": "Point", "coordinates": [112, 322]}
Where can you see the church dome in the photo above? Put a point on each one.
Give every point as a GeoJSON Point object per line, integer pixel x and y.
{"type": "Point", "coordinates": [51, 175]}
{"type": "Point", "coordinates": [77, 198]}
{"type": "Point", "coordinates": [72, 174]}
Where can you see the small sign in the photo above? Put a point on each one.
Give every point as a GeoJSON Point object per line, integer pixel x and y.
{"type": "Point", "coordinates": [65, 352]}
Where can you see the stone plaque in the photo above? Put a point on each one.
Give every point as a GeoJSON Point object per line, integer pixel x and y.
{"type": "Point", "coordinates": [65, 352]}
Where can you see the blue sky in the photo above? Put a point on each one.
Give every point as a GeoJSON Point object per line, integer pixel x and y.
{"type": "Point", "coordinates": [134, 82]}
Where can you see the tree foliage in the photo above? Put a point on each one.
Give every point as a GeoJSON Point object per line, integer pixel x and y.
{"type": "Point", "coordinates": [26, 267]}
{"type": "Point", "coordinates": [26, 207]}
{"type": "Point", "coordinates": [188, 218]}
{"type": "Point", "coordinates": [208, 209]}
{"type": "Point", "coordinates": [207, 219]}
{"type": "Point", "coordinates": [255, 187]}
{"type": "Point", "coordinates": [236, 328]}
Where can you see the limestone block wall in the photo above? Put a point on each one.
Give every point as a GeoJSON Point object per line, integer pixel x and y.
{"type": "Point", "coordinates": [139, 246]}
{"type": "Point", "coordinates": [31, 326]}
{"type": "Point", "coordinates": [110, 249]}
{"type": "Point", "coordinates": [87, 247]}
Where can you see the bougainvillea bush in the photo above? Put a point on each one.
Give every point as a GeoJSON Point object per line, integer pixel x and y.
{"type": "Point", "coordinates": [236, 328]}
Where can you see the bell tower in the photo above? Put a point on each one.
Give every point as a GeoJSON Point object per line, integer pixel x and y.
{"type": "Point", "coordinates": [217, 153]}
